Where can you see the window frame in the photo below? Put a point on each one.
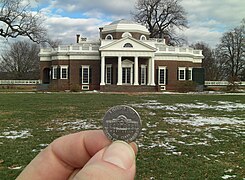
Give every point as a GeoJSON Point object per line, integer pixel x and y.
{"type": "Point", "coordinates": [180, 69]}
{"type": "Point", "coordinates": [109, 37]}
{"type": "Point", "coordinates": [190, 73]}
{"type": "Point", "coordinates": [65, 67]}
{"type": "Point", "coordinates": [164, 68]}
{"type": "Point", "coordinates": [143, 38]}
{"type": "Point", "coordinates": [85, 67]}
{"type": "Point", "coordinates": [55, 72]}
{"type": "Point", "coordinates": [128, 65]}
{"type": "Point", "coordinates": [108, 66]}
{"type": "Point", "coordinates": [143, 74]}
{"type": "Point", "coordinates": [126, 34]}
{"type": "Point", "coordinates": [128, 45]}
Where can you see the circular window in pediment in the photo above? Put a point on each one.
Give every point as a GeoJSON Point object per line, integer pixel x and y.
{"type": "Point", "coordinates": [142, 37]}
{"type": "Point", "coordinates": [128, 45]}
{"type": "Point", "coordinates": [126, 34]}
{"type": "Point", "coordinates": [109, 37]}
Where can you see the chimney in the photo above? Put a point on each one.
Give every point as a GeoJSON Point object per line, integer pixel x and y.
{"type": "Point", "coordinates": [101, 29]}
{"type": "Point", "coordinates": [78, 38]}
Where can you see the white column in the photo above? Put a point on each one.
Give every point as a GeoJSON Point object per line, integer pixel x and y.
{"type": "Point", "coordinates": [102, 82]}
{"type": "Point", "coordinates": [152, 61]}
{"type": "Point", "coordinates": [149, 73]}
{"type": "Point", "coordinates": [119, 70]}
{"type": "Point", "coordinates": [136, 71]}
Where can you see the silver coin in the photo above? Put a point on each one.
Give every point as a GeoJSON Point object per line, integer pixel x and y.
{"type": "Point", "coordinates": [122, 123]}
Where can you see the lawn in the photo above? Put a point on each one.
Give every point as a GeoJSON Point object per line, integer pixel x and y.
{"type": "Point", "coordinates": [183, 136]}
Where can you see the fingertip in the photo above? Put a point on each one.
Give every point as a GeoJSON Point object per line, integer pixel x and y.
{"type": "Point", "coordinates": [134, 147]}
{"type": "Point", "coordinates": [120, 154]}
{"type": "Point", "coordinates": [117, 161]}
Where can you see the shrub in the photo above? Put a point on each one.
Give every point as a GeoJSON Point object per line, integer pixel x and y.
{"type": "Point", "coordinates": [75, 88]}
{"type": "Point", "coordinates": [186, 86]}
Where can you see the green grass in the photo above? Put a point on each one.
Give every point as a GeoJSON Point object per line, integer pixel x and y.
{"type": "Point", "coordinates": [171, 147]}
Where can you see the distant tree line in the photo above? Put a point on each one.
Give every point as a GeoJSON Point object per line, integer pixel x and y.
{"type": "Point", "coordinates": [227, 60]}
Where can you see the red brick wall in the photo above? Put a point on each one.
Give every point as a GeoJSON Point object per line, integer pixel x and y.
{"type": "Point", "coordinates": [74, 69]}
{"type": "Point", "coordinates": [172, 67]}
{"type": "Point", "coordinates": [74, 74]}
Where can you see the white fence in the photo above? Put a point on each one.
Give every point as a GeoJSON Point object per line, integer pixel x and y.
{"type": "Point", "coordinates": [20, 82]}
{"type": "Point", "coordinates": [223, 83]}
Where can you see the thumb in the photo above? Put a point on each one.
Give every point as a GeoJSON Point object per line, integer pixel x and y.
{"type": "Point", "coordinates": [116, 161]}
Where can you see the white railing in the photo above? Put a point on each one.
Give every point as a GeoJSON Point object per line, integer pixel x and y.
{"type": "Point", "coordinates": [19, 82]}
{"type": "Point", "coordinates": [71, 48]}
{"type": "Point", "coordinates": [181, 50]}
{"type": "Point", "coordinates": [223, 83]}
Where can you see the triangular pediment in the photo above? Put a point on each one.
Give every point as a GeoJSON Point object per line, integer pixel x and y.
{"type": "Point", "coordinates": [128, 44]}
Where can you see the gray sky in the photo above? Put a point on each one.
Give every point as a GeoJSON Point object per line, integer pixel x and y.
{"type": "Point", "coordinates": [208, 19]}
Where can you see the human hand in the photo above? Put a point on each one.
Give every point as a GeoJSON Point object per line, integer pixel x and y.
{"type": "Point", "coordinates": [84, 155]}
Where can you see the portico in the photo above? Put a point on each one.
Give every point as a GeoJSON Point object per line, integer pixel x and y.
{"type": "Point", "coordinates": [127, 54]}
{"type": "Point", "coordinates": [128, 70]}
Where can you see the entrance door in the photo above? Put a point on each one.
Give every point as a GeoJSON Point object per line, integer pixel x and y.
{"type": "Point", "coordinates": [126, 75]}
{"type": "Point", "coordinates": [46, 76]}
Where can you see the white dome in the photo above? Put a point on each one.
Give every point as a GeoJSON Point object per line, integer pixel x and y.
{"type": "Point", "coordinates": [124, 25]}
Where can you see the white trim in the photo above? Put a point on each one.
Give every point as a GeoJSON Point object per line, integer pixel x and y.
{"type": "Point", "coordinates": [143, 67]}
{"type": "Point", "coordinates": [127, 64]}
{"type": "Point", "coordinates": [143, 38]}
{"type": "Point", "coordinates": [190, 75]}
{"type": "Point", "coordinates": [106, 72]}
{"type": "Point", "coordinates": [85, 67]}
{"type": "Point", "coordinates": [126, 34]}
{"type": "Point", "coordinates": [136, 70]}
{"type": "Point", "coordinates": [85, 87]}
{"type": "Point", "coordinates": [165, 74]}
{"type": "Point", "coordinates": [102, 69]}
{"type": "Point", "coordinates": [55, 68]}
{"type": "Point", "coordinates": [119, 70]}
{"type": "Point", "coordinates": [109, 37]}
{"type": "Point", "coordinates": [66, 68]}
{"type": "Point", "coordinates": [163, 88]}
{"type": "Point", "coordinates": [181, 69]}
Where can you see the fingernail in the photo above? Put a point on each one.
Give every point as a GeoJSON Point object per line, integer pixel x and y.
{"type": "Point", "coordinates": [120, 154]}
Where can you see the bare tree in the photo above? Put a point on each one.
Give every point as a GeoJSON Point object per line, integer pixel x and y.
{"type": "Point", "coordinates": [16, 19]}
{"type": "Point", "coordinates": [209, 62]}
{"type": "Point", "coordinates": [21, 60]}
{"type": "Point", "coordinates": [231, 52]}
{"type": "Point", "coordinates": [161, 17]}
{"type": "Point", "coordinates": [50, 43]}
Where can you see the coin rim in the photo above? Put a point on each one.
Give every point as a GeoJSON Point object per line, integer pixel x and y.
{"type": "Point", "coordinates": [131, 139]}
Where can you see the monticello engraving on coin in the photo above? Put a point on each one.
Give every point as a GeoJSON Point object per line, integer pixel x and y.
{"type": "Point", "coordinates": [122, 123]}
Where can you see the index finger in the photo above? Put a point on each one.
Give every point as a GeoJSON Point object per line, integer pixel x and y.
{"type": "Point", "coordinates": [65, 154]}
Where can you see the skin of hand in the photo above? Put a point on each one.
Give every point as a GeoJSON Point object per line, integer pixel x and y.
{"type": "Point", "coordinates": [83, 155]}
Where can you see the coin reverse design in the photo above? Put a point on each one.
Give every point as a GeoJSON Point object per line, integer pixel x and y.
{"type": "Point", "coordinates": [122, 123]}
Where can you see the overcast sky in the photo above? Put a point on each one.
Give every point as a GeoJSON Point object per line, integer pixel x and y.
{"type": "Point", "coordinates": [208, 19]}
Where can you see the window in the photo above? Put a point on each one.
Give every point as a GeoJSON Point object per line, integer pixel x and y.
{"type": "Point", "coordinates": [126, 34]}
{"type": "Point", "coordinates": [64, 72]}
{"type": "Point", "coordinates": [128, 45]}
{"type": "Point", "coordinates": [109, 37]}
{"type": "Point", "coordinates": [142, 37]}
{"type": "Point", "coordinates": [85, 74]}
{"type": "Point", "coordinates": [189, 74]}
{"type": "Point", "coordinates": [162, 75]}
{"type": "Point", "coordinates": [182, 73]}
{"type": "Point", "coordinates": [108, 73]}
{"type": "Point", "coordinates": [143, 75]}
{"type": "Point", "coordinates": [126, 75]}
{"type": "Point", "coordinates": [55, 72]}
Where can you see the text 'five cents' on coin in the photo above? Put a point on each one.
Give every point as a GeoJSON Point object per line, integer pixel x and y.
{"type": "Point", "coordinates": [122, 123]}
